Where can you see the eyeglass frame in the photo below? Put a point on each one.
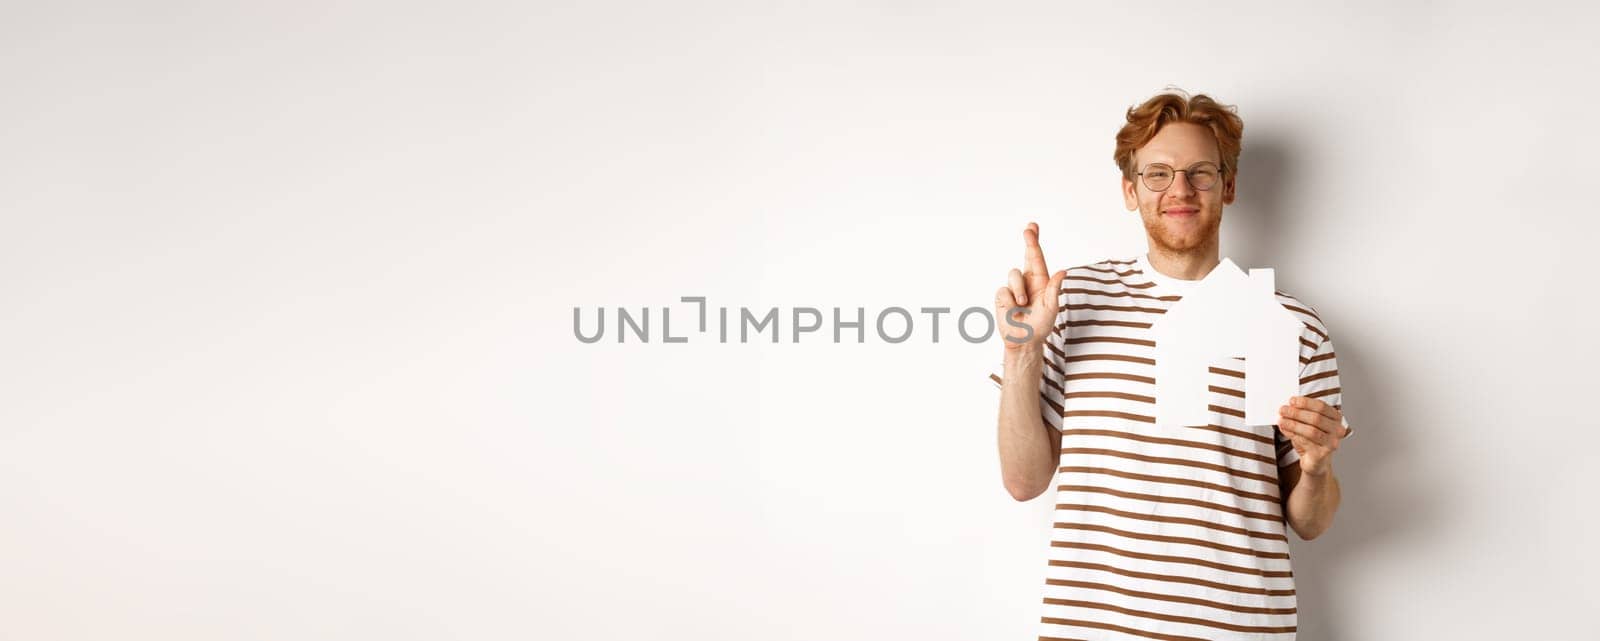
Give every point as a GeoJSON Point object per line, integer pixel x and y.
{"type": "Point", "coordinates": [1140, 174]}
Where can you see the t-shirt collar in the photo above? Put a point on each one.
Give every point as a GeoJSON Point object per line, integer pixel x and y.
{"type": "Point", "coordinates": [1142, 263]}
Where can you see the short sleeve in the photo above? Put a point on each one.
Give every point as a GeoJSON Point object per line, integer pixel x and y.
{"type": "Point", "coordinates": [1319, 379]}
{"type": "Point", "coordinates": [1052, 384]}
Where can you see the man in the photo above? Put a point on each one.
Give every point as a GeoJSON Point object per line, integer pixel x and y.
{"type": "Point", "coordinates": [1161, 532]}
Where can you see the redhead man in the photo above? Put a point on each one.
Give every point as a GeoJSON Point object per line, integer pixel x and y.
{"type": "Point", "coordinates": [1161, 532]}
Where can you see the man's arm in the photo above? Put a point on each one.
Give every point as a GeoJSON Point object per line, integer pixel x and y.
{"type": "Point", "coordinates": [1309, 500]}
{"type": "Point", "coordinates": [1308, 486]}
{"type": "Point", "coordinates": [1030, 449]}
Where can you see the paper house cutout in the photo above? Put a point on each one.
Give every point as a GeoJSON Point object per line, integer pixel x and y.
{"type": "Point", "coordinates": [1227, 315]}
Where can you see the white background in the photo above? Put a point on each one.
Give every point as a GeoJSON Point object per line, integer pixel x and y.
{"type": "Point", "coordinates": [288, 289]}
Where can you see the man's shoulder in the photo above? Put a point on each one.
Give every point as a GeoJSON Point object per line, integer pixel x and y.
{"type": "Point", "coordinates": [1304, 312]}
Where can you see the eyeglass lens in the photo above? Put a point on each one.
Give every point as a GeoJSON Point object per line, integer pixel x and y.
{"type": "Point", "coordinates": [1159, 176]}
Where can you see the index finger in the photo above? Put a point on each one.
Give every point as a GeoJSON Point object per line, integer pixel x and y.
{"type": "Point", "coordinates": [1033, 256]}
{"type": "Point", "coordinates": [1315, 405]}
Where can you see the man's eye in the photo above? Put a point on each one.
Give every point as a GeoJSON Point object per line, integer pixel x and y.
{"type": "Point", "coordinates": [1204, 173]}
{"type": "Point", "coordinates": [1158, 174]}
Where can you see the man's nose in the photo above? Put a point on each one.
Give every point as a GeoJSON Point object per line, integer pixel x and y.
{"type": "Point", "coordinates": [1180, 184]}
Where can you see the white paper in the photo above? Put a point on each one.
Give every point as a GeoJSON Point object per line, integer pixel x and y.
{"type": "Point", "coordinates": [1226, 316]}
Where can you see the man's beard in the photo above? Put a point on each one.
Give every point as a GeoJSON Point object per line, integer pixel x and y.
{"type": "Point", "coordinates": [1173, 243]}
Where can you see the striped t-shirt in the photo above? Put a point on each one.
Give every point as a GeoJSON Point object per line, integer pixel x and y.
{"type": "Point", "coordinates": [1172, 533]}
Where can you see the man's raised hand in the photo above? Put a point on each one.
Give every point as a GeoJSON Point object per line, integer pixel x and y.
{"type": "Point", "coordinates": [1029, 298]}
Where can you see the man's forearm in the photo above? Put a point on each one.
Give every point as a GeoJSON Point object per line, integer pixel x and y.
{"type": "Point", "coordinates": [1312, 503]}
{"type": "Point", "coordinates": [1027, 461]}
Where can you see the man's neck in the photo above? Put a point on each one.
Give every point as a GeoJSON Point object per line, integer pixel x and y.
{"type": "Point", "coordinates": [1191, 265]}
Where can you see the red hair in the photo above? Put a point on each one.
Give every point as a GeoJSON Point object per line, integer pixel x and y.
{"type": "Point", "coordinates": [1175, 105]}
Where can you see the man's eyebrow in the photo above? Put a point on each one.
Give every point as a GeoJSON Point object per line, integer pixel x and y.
{"type": "Point", "coordinates": [1167, 160]}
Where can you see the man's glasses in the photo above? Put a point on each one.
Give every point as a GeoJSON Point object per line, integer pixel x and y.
{"type": "Point", "coordinates": [1159, 176]}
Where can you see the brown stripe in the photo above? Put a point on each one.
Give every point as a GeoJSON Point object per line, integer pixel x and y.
{"type": "Point", "coordinates": [1110, 414]}
{"type": "Point", "coordinates": [1174, 598]}
{"type": "Point", "coordinates": [1104, 323]}
{"type": "Point", "coordinates": [1129, 261]}
{"type": "Point", "coordinates": [1228, 587]}
{"type": "Point", "coordinates": [1154, 478]}
{"type": "Point", "coordinates": [1060, 411]}
{"type": "Point", "coordinates": [1167, 558]}
{"type": "Point", "coordinates": [1108, 270]}
{"type": "Point", "coordinates": [1055, 350]}
{"type": "Point", "coordinates": [1109, 357]}
{"type": "Point", "coordinates": [1096, 292]}
{"type": "Point", "coordinates": [1309, 344]}
{"type": "Point", "coordinates": [1316, 331]}
{"type": "Point", "coordinates": [1226, 410]}
{"type": "Point", "coordinates": [1146, 399]}
{"type": "Point", "coordinates": [1320, 357]}
{"type": "Point", "coordinates": [1226, 372]}
{"type": "Point", "coordinates": [1051, 363]}
{"type": "Point", "coordinates": [1114, 375]}
{"type": "Point", "coordinates": [1048, 381]}
{"type": "Point", "coordinates": [1112, 281]}
{"type": "Point", "coordinates": [1173, 441]}
{"type": "Point", "coordinates": [1176, 500]}
{"type": "Point", "coordinates": [1233, 432]}
{"type": "Point", "coordinates": [1110, 339]}
{"type": "Point", "coordinates": [1145, 614]}
{"type": "Point", "coordinates": [1172, 461]}
{"type": "Point", "coordinates": [1131, 397]}
{"type": "Point", "coordinates": [1224, 390]}
{"type": "Point", "coordinates": [1172, 539]}
{"type": "Point", "coordinates": [1115, 628]}
{"type": "Point", "coordinates": [1327, 392]}
{"type": "Point", "coordinates": [1181, 520]}
{"type": "Point", "coordinates": [1318, 376]}
{"type": "Point", "coordinates": [1302, 310]}
{"type": "Point", "coordinates": [1119, 308]}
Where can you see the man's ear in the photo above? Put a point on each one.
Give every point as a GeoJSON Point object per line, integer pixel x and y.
{"type": "Point", "coordinates": [1130, 196]}
{"type": "Point", "coordinates": [1227, 190]}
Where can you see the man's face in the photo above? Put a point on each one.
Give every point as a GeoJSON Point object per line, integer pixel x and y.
{"type": "Point", "coordinates": [1181, 218]}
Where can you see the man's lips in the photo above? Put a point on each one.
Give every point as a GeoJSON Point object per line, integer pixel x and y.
{"type": "Point", "coordinates": [1182, 211]}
